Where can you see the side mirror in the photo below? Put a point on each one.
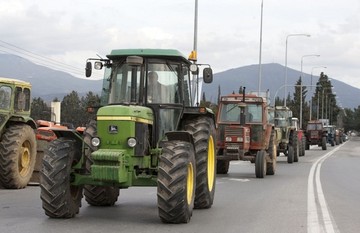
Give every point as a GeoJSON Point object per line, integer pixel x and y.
{"type": "Point", "coordinates": [207, 75]}
{"type": "Point", "coordinates": [88, 69]}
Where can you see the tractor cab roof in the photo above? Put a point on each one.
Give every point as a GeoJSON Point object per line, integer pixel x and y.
{"type": "Point", "coordinates": [161, 53]}
{"type": "Point", "coordinates": [249, 98]}
{"type": "Point", "coordinates": [14, 82]}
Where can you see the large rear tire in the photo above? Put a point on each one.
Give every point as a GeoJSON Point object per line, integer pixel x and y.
{"type": "Point", "coordinates": [203, 131]}
{"type": "Point", "coordinates": [307, 145]}
{"type": "Point", "coordinates": [97, 195]}
{"type": "Point", "coordinates": [296, 145]}
{"type": "Point", "coordinates": [176, 182]}
{"type": "Point", "coordinates": [17, 156]}
{"type": "Point", "coordinates": [260, 164]}
{"type": "Point", "coordinates": [303, 145]}
{"type": "Point", "coordinates": [59, 198]}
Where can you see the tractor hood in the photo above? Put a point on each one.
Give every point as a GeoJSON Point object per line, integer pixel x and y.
{"type": "Point", "coordinates": [126, 113]}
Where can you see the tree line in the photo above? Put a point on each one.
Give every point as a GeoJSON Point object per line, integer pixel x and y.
{"type": "Point", "coordinates": [73, 109]}
{"type": "Point", "coordinates": [321, 104]}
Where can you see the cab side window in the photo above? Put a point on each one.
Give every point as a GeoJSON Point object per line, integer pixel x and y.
{"type": "Point", "coordinates": [27, 99]}
{"type": "Point", "coordinates": [22, 99]}
{"type": "Point", "coordinates": [5, 97]}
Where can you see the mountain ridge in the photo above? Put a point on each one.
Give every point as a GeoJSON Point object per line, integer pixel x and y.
{"type": "Point", "coordinates": [48, 83]}
{"type": "Point", "coordinates": [273, 80]}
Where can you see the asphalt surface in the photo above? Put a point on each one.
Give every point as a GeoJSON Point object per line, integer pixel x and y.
{"type": "Point", "coordinates": [320, 193]}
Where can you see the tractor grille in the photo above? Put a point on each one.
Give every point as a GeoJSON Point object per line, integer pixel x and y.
{"type": "Point", "coordinates": [234, 132]}
{"type": "Point", "coordinates": [314, 134]}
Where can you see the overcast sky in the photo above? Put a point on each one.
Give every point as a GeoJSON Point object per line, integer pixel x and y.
{"type": "Point", "coordinates": [70, 31]}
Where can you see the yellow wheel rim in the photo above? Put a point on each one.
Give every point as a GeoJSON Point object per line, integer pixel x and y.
{"type": "Point", "coordinates": [25, 159]}
{"type": "Point", "coordinates": [274, 152]}
{"type": "Point", "coordinates": [190, 183]}
{"type": "Point", "coordinates": [211, 164]}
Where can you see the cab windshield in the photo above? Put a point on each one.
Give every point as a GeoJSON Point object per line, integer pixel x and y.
{"type": "Point", "coordinates": [230, 112]}
{"type": "Point", "coordinates": [155, 82]}
{"type": "Point", "coordinates": [315, 126]}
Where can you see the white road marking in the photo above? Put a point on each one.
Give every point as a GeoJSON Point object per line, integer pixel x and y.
{"type": "Point", "coordinates": [239, 180]}
{"type": "Point", "coordinates": [314, 224]}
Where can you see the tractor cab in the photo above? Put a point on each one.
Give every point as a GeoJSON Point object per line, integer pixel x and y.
{"type": "Point", "coordinates": [159, 80]}
{"type": "Point", "coordinates": [14, 100]}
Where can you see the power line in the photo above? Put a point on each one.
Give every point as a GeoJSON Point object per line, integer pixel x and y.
{"type": "Point", "coordinates": [39, 57]}
{"type": "Point", "coordinates": [41, 60]}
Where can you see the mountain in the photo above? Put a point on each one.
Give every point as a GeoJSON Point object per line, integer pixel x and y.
{"type": "Point", "coordinates": [273, 79]}
{"type": "Point", "coordinates": [48, 83]}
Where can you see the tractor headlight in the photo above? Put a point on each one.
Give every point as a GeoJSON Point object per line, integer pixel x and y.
{"type": "Point", "coordinates": [95, 142]}
{"type": "Point", "coordinates": [234, 139]}
{"type": "Point", "coordinates": [131, 142]}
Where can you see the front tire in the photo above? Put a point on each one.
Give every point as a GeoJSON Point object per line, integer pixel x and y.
{"type": "Point", "coordinates": [222, 166]}
{"type": "Point", "coordinates": [290, 157]}
{"type": "Point", "coordinates": [260, 164]}
{"type": "Point", "coordinates": [323, 143]}
{"type": "Point", "coordinates": [59, 198]}
{"type": "Point", "coordinates": [203, 132]}
{"type": "Point", "coordinates": [97, 195]}
{"type": "Point", "coordinates": [176, 182]}
{"type": "Point", "coordinates": [17, 156]}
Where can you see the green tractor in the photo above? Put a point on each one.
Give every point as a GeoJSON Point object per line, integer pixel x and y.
{"type": "Point", "coordinates": [289, 143]}
{"type": "Point", "coordinates": [17, 135]}
{"type": "Point", "coordinates": [146, 133]}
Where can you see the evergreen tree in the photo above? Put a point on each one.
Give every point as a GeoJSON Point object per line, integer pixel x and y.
{"type": "Point", "coordinates": [300, 92]}
{"type": "Point", "coordinates": [279, 101]}
{"type": "Point", "coordinates": [219, 94]}
{"type": "Point", "coordinates": [89, 101]}
{"type": "Point", "coordinates": [71, 110]}
{"type": "Point", "coordinates": [326, 99]}
{"type": "Point", "coordinates": [40, 110]}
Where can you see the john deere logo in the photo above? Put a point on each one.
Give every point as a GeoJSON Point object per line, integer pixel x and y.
{"type": "Point", "coordinates": [113, 129]}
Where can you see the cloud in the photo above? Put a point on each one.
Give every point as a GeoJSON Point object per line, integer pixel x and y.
{"type": "Point", "coordinates": [228, 32]}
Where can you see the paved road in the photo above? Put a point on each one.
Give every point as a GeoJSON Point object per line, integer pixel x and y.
{"type": "Point", "coordinates": [320, 193]}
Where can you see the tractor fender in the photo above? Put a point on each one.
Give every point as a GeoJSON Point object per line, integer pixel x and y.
{"type": "Point", "coordinates": [192, 112]}
{"type": "Point", "coordinates": [71, 134]}
{"type": "Point", "coordinates": [181, 136]}
{"type": "Point", "coordinates": [67, 133]}
{"type": "Point", "coordinates": [27, 120]}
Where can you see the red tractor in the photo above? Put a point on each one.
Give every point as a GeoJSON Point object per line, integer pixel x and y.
{"type": "Point", "coordinates": [245, 133]}
{"type": "Point", "coordinates": [44, 135]}
{"type": "Point", "coordinates": [315, 134]}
